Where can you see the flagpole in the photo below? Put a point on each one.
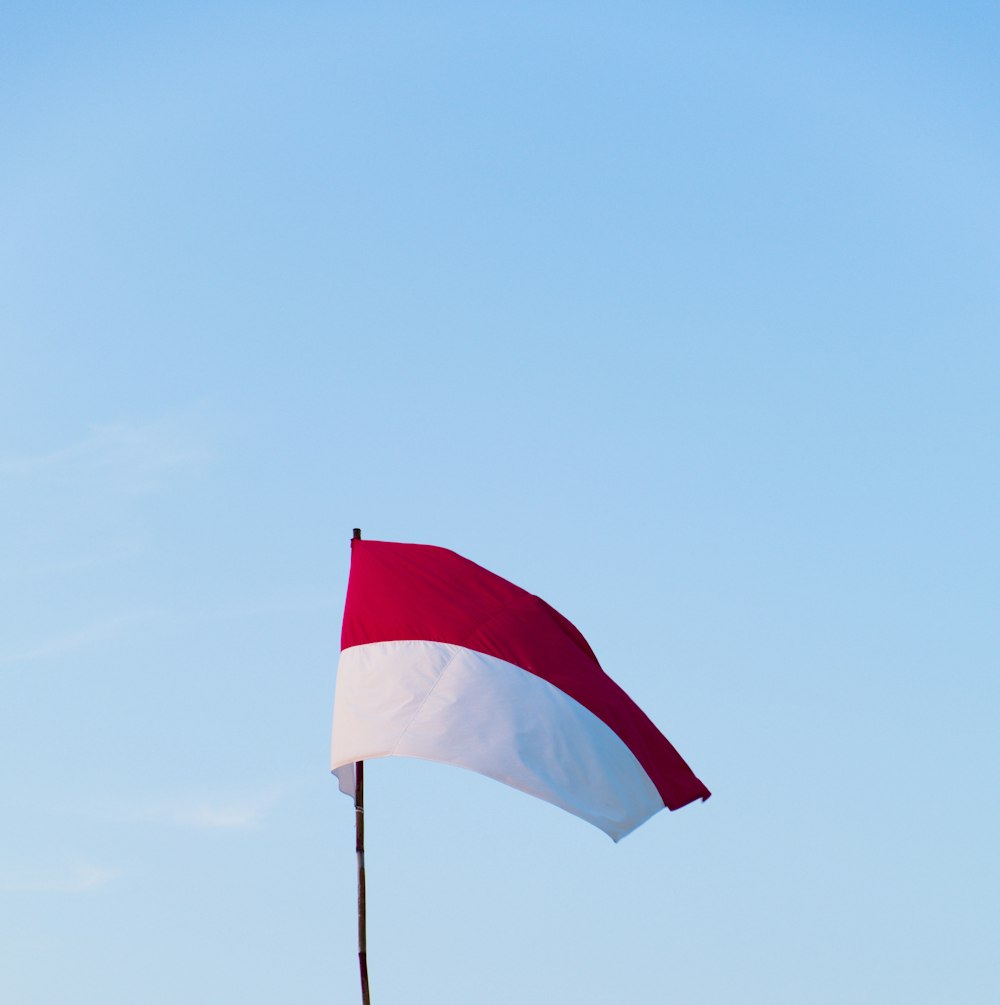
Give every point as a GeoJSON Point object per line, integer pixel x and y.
{"type": "Point", "coordinates": [359, 845]}
{"type": "Point", "coordinates": [359, 827]}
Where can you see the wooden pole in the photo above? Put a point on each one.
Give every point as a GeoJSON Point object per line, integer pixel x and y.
{"type": "Point", "coordinates": [359, 825]}
{"type": "Point", "coordinates": [359, 845]}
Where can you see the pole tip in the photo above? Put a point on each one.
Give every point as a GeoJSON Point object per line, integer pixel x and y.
{"type": "Point", "coordinates": [357, 534]}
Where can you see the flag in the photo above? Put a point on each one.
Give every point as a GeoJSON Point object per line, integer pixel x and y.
{"type": "Point", "coordinates": [443, 660]}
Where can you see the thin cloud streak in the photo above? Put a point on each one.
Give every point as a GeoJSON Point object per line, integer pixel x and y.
{"type": "Point", "coordinates": [133, 458]}
{"type": "Point", "coordinates": [84, 878]}
{"type": "Point", "coordinates": [291, 605]}
{"type": "Point", "coordinates": [213, 813]}
{"type": "Point", "coordinates": [70, 642]}
{"type": "Point", "coordinates": [121, 550]}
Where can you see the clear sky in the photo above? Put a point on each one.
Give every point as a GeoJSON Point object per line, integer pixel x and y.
{"type": "Point", "coordinates": [683, 316]}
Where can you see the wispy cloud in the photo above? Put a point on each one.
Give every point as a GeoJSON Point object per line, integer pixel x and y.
{"type": "Point", "coordinates": [232, 812]}
{"type": "Point", "coordinates": [82, 878]}
{"type": "Point", "coordinates": [124, 456]}
{"type": "Point", "coordinates": [64, 643]}
{"type": "Point", "coordinates": [293, 604]}
{"type": "Point", "coordinates": [114, 550]}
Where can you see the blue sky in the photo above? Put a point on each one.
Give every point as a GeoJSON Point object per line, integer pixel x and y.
{"type": "Point", "coordinates": [681, 316]}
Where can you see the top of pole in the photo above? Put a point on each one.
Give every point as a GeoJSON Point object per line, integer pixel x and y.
{"type": "Point", "coordinates": [357, 534]}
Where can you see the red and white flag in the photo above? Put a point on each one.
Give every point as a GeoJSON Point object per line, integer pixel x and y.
{"type": "Point", "coordinates": [444, 660]}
